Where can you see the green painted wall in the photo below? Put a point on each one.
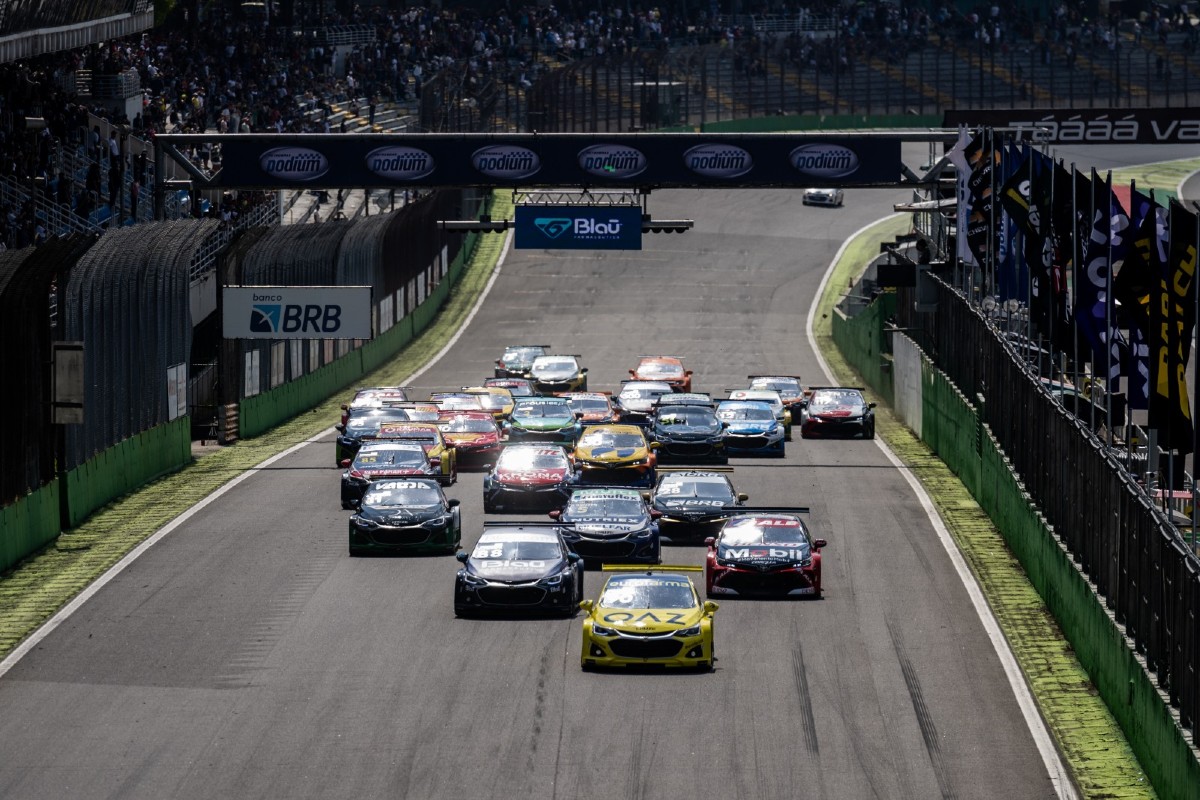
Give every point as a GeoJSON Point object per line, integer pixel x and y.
{"type": "Point", "coordinates": [29, 524]}
{"type": "Point", "coordinates": [862, 341]}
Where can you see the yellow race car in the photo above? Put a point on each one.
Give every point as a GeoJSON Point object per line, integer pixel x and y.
{"type": "Point", "coordinates": [496, 399]}
{"type": "Point", "coordinates": [615, 454]}
{"type": "Point", "coordinates": [440, 453]}
{"type": "Point", "coordinates": [648, 617]}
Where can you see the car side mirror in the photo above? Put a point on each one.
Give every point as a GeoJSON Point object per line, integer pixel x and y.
{"type": "Point", "coordinates": [819, 543]}
{"type": "Point", "coordinates": [340, 428]}
{"type": "Point", "coordinates": [710, 607]}
{"type": "Point", "coordinates": [487, 467]}
{"type": "Point", "coordinates": [655, 514]}
{"type": "Point", "coordinates": [453, 502]}
{"type": "Point", "coordinates": [574, 558]}
{"type": "Point", "coordinates": [345, 462]}
{"type": "Point", "coordinates": [632, 372]}
{"type": "Point", "coordinates": [655, 445]}
{"type": "Point", "coordinates": [710, 541]}
{"type": "Point", "coordinates": [871, 405]}
{"type": "Point", "coordinates": [345, 407]}
{"type": "Point", "coordinates": [687, 372]}
{"type": "Point", "coordinates": [555, 514]}
{"type": "Point", "coordinates": [743, 497]}
{"type": "Point", "coordinates": [586, 605]}
{"type": "Point", "coordinates": [725, 423]}
{"type": "Point", "coordinates": [462, 555]}
{"type": "Point", "coordinates": [804, 403]}
{"type": "Point", "coordinates": [499, 363]}
{"type": "Point", "coordinates": [578, 415]}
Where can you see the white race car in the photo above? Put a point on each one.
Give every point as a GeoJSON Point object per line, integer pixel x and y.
{"type": "Point", "coordinates": [823, 197]}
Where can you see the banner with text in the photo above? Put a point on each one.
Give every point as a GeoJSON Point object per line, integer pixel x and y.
{"type": "Point", "coordinates": [578, 228]}
{"type": "Point", "coordinates": [297, 312]}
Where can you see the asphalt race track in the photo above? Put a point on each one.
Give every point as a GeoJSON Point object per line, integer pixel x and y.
{"type": "Point", "coordinates": [246, 655]}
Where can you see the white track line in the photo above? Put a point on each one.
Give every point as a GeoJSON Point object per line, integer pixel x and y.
{"type": "Point", "coordinates": [1060, 776]}
{"type": "Point", "coordinates": [70, 608]}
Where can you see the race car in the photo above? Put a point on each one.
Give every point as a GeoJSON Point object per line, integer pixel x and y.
{"type": "Point", "coordinates": [668, 369]}
{"type": "Point", "coordinates": [543, 419]}
{"type": "Point", "coordinates": [558, 373]}
{"type": "Point", "coordinates": [376, 460]}
{"type": "Point", "coordinates": [686, 399]}
{"type": "Point", "coordinates": [790, 391]}
{"type": "Point", "coordinates": [692, 503]}
{"type": "Point", "coordinates": [609, 522]}
{"type": "Point", "coordinates": [773, 399]}
{"type": "Point", "coordinates": [528, 477]}
{"type": "Point", "coordinates": [429, 436]}
{"type": "Point", "coordinates": [518, 567]}
{"type": "Point", "coordinates": [650, 617]}
{"type": "Point", "coordinates": [363, 424]}
{"type": "Point", "coordinates": [636, 399]}
{"type": "Point", "coordinates": [405, 516]}
{"type": "Point", "coordinates": [517, 360]}
{"type": "Point", "coordinates": [615, 454]}
{"type": "Point", "coordinates": [824, 197]}
{"type": "Point", "coordinates": [456, 401]}
{"type": "Point", "coordinates": [593, 407]}
{"type": "Point", "coordinates": [373, 397]}
{"type": "Point", "coordinates": [764, 551]}
{"type": "Point", "coordinates": [687, 432]}
{"type": "Point", "coordinates": [420, 411]}
{"type": "Point", "coordinates": [837, 411]}
{"type": "Point", "coordinates": [752, 428]}
{"type": "Point", "coordinates": [495, 399]}
{"type": "Point", "coordinates": [474, 436]}
{"type": "Point", "coordinates": [517, 387]}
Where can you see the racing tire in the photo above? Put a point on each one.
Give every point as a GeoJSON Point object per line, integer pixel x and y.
{"type": "Point", "coordinates": [489, 507]}
{"type": "Point", "coordinates": [804, 435]}
{"type": "Point", "coordinates": [870, 432]}
{"type": "Point", "coordinates": [355, 552]}
{"type": "Point", "coordinates": [583, 386]}
{"type": "Point", "coordinates": [347, 506]}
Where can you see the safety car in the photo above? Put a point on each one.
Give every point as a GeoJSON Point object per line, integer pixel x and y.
{"type": "Point", "coordinates": [518, 567]}
{"type": "Point", "coordinates": [474, 435]}
{"type": "Point", "coordinates": [693, 503]}
{"type": "Point", "coordinates": [689, 432]}
{"type": "Point", "coordinates": [837, 411]}
{"type": "Point", "coordinates": [405, 516]}
{"type": "Point", "coordinates": [771, 398]}
{"type": "Point", "coordinates": [363, 424]}
{"type": "Point", "coordinates": [824, 197]}
{"type": "Point", "coordinates": [427, 434]}
{"type": "Point", "coordinates": [376, 460]}
{"type": "Point", "coordinates": [668, 369]}
{"type": "Point", "coordinates": [764, 551]}
{"type": "Point", "coordinates": [543, 419]}
{"type": "Point", "coordinates": [609, 522]}
{"type": "Point", "coordinates": [517, 360]}
{"type": "Point", "coordinates": [615, 454]}
{"type": "Point", "coordinates": [651, 617]}
{"type": "Point", "coordinates": [517, 387]}
{"type": "Point", "coordinates": [528, 477]}
{"type": "Point", "coordinates": [593, 407]}
{"type": "Point", "coordinates": [558, 373]}
{"type": "Point", "coordinates": [636, 399]}
{"type": "Point", "coordinates": [752, 428]}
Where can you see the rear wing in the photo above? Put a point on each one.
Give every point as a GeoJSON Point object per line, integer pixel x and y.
{"type": "Point", "coordinates": [855, 388]}
{"type": "Point", "coordinates": [694, 469]}
{"type": "Point", "coordinates": [737, 510]}
{"type": "Point", "coordinates": [659, 355]}
{"type": "Point", "coordinates": [773, 375]}
{"type": "Point", "coordinates": [650, 569]}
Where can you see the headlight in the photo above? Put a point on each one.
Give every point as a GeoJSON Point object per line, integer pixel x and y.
{"type": "Point", "coordinates": [600, 630]}
{"type": "Point", "coordinates": [642, 534]}
{"type": "Point", "coordinates": [473, 580]}
{"type": "Point", "coordinates": [692, 631]}
{"type": "Point", "coordinates": [805, 563]}
{"type": "Point", "coordinates": [553, 580]}
{"type": "Point", "coordinates": [364, 523]}
{"type": "Point", "coordinates": [436, 522]}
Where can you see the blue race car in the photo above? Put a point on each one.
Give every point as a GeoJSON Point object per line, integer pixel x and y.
{"type": "Point", "coordinates": [753, 428]}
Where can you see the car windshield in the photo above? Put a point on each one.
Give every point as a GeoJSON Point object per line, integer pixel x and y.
{"type": "Point", "coordinates": [588, 404]}
{"type": "Point", "coordinates": [530, 459]}
{"type": "Point", "coordinates": [681, 415]}
{"type": "Point", "coordinates": [595, 504]}
{"type": "Point", "coordinates": [709, 487]}
{"type": "Point", "coordinates": [515, 388]}
{"type": "Point", "coordinates": [739, 413]}
{"type": "Point", "coordinates": [401, 493]}
{"type": "Point", "coordinates": [374, 416]}
{"type": "Point", "coordinates": [376, 397]}
{"type": "Point", "coordinates": [391, 456]}
{"type": "Point", "coordinates": [547, 408]}
{"type": "Point", "coordinates": [493, 549]}
{"type": "Point", "coordinates": [785, 386]}
{"type": "Point", "coordinates": [611, 439]}
{"type": "Point", "coordinates": [660, 369]}
{"type": "Point", "coordinates": [520, 355]}
{"type": "Point", "coordinates": [764, 530]}
{"type": "Point", "coordinates": [493, 402]}
{"type": "Point", "coordinates": [822, 401]}
{"type": "Point", "coordinates": [468, 425]}
{"type": "Point", "coordinates": [458, 402]}
{"type": "Point", "coordinates": [648, 592]}
{"type": "Point", "coordinates": [554, 363]}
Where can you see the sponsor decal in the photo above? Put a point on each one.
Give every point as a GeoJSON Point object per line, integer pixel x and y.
{"type": "Point", "coordinates": [612, 161]}
{"type": "Point", "coordinates": [721, 161]}
{"type": "Point", "coordinates": [553, 227]}
{"type": "Point", "coordinates": [506, 161]}
{"type": "Point", "coordinates": [824, 160]}
{"type": "Point", "coordinates": [1097, 126]}
{"type": "Point", "coordinates": [647, 616]}
{"type": "Point", "coordinates": [400, 163]}
{"type": "Point", "coordinates": [294, 163]}
{"type": "Point", "coordinates": [766, 553]}
{"type": "Point", "coordinates": [294, 318]}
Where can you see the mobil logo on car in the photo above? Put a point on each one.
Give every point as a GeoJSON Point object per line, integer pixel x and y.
{"type": "Point", "coordinates": [614, 161]}
{"type": "Point", "coordinates": [824, 160]}
{"type": "Point", "coordinates": [294, 163]}
{"type": "Point", "coordinates": [722, 161]}
{"type": "Point", "coordinates": [506, 161]}
{"type": "Point", "coordinates": [400, 163]}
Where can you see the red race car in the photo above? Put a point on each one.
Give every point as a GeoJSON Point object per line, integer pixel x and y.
{"type": "Point", "coordinates": [764, 552]}
{"type": "Point", "coordinates": [473, 434]}
{"type": "Point", "coordinates": [529, 477]}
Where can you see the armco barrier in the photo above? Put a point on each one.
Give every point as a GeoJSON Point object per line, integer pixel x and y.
{"type": "Point", "coordinates": [951, 427]}
{"type": "Point", "coordinates": [30, 523]}
{"type": "Point", "coordinates": [126, 466]}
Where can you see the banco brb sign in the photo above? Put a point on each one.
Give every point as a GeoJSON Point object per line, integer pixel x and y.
{"type": "Point", "coordinates": [296, 312]}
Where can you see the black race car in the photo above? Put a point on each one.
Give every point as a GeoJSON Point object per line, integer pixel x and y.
{"type": "Point", "coordinates": [694, 503]}
{"type": "Point", "coordinates": [610, 523]}
{"type": "Point", "coordinates": [376, 460]}
{"type": "Point", "coordinates": [519, 567]}
{"type": "Point", "coordinates": [687, 432]}
{"type": "Point", "coordinates": [764, 551]}
{"type": "Point", "coordinates": [528, 477]}
{"type": "Point", "coordinates": [363, 423]}
{"type": "Point", "coordinates": [405, 516]}
{"type": "Point", "coordinates": [837, 411]}
{"type": "Point", "coordinates": [518, 358]}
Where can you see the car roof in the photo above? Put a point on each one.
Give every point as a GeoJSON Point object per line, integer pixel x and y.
{"type": "Point", "coordinates": [665, 577]}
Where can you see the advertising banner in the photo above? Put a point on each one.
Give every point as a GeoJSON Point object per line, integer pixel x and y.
{"type": "Point", "coordinates": [1090, 125]}
{"type": "Point", "coordinates": [296, 312]}
{"type": "Point", "coordinates": [578, 228]}
{"type": "Point", "coordinates": [556, 160]}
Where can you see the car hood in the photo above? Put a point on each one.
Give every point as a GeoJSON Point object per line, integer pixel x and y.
{"type": "Point", "coordinates": [553, 374]}
{"type": "Point", "coordinates": [467, 439]}
{"type": "Point", "coordinates": [763, 555]}
{"type": "Point", "coordinates": [750, 426]}
{"type": "Point", "coordinates": [607, 525]}
{"type": "Point", "coordinates": [532, 477]}
{"type": "Point", "coordinates": [515, 571]}
{"type": "Point", "coordinates": [647, 620]}
{"type": "Point", "coordinates": [544, 423]}
{"type": "Point", "coordinates": [402, 515]}
{"type": "Point", "coordinates": [837, 412]}
{"type": "Point", "coordinates": [611, 455]}
{"type": "Point", "coordinates": [692, 506]}
{"type": "Point", "coordinates": [390, 471]}
{"type": "Point", "coordinates": [670, 431]}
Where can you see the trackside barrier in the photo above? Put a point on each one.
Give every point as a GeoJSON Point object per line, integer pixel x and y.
{"type": "Point", "coordinates": [952, 427]}
{"type": "Point", "coordinates": [30, 523]}
{"type": "Point", "coordinates": [127, 465]}
{"type": "Point", "coordinates": [823, 122]}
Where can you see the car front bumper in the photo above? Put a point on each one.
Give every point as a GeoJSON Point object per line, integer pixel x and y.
{"type": "Point", "coordinates": [635, 651]}
{"type": "Point", "coordinates": [413, 539]}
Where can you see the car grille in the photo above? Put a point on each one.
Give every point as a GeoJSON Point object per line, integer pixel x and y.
{"type": "Point", "coordinates": [512, 595]}
{"type": "Point", "coordinates": [594, 549]}
{"type": "Point", "coordinates": [688, 448]}
{"type": "Point", "coordinates": [764, 582]}
{"type": "Point", "coordinates": [400, 535]}
{"type": "Point", "coordinates": [651, 648]}
{"type": "Point", "coordinates": [747, 441]}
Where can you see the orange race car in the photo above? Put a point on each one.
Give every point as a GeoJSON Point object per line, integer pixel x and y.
{"type": "Point", "coordinates": [595, 407]}
{"type": "Point", "coordinates": [668, 369]}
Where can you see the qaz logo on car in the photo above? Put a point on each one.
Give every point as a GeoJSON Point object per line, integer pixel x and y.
{"type": "Point", "coordinates": [612, 161]}
{"type": "Point", "coordinates": [400, 163]}
{"type": "Point", "coordinates": [506, 161]}
{"type": "Point", "coordinates": [553, 227]}
{"type": "Point", "coordinates": [294, 163]}
{"type": "Point", "coordinates": [718, 160]}
{"type": "Point", "coordinates": [824, 160]}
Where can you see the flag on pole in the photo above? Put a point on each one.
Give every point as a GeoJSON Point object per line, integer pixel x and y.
{"type": "Point", "coordinates": [1012, 273]}
{"type": "Point", "coordinates": [958, 157]}
{"type": "Point", "coordinates": [1136, 270]}
{"type": "Point", "coordinates": [1172, 317]}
